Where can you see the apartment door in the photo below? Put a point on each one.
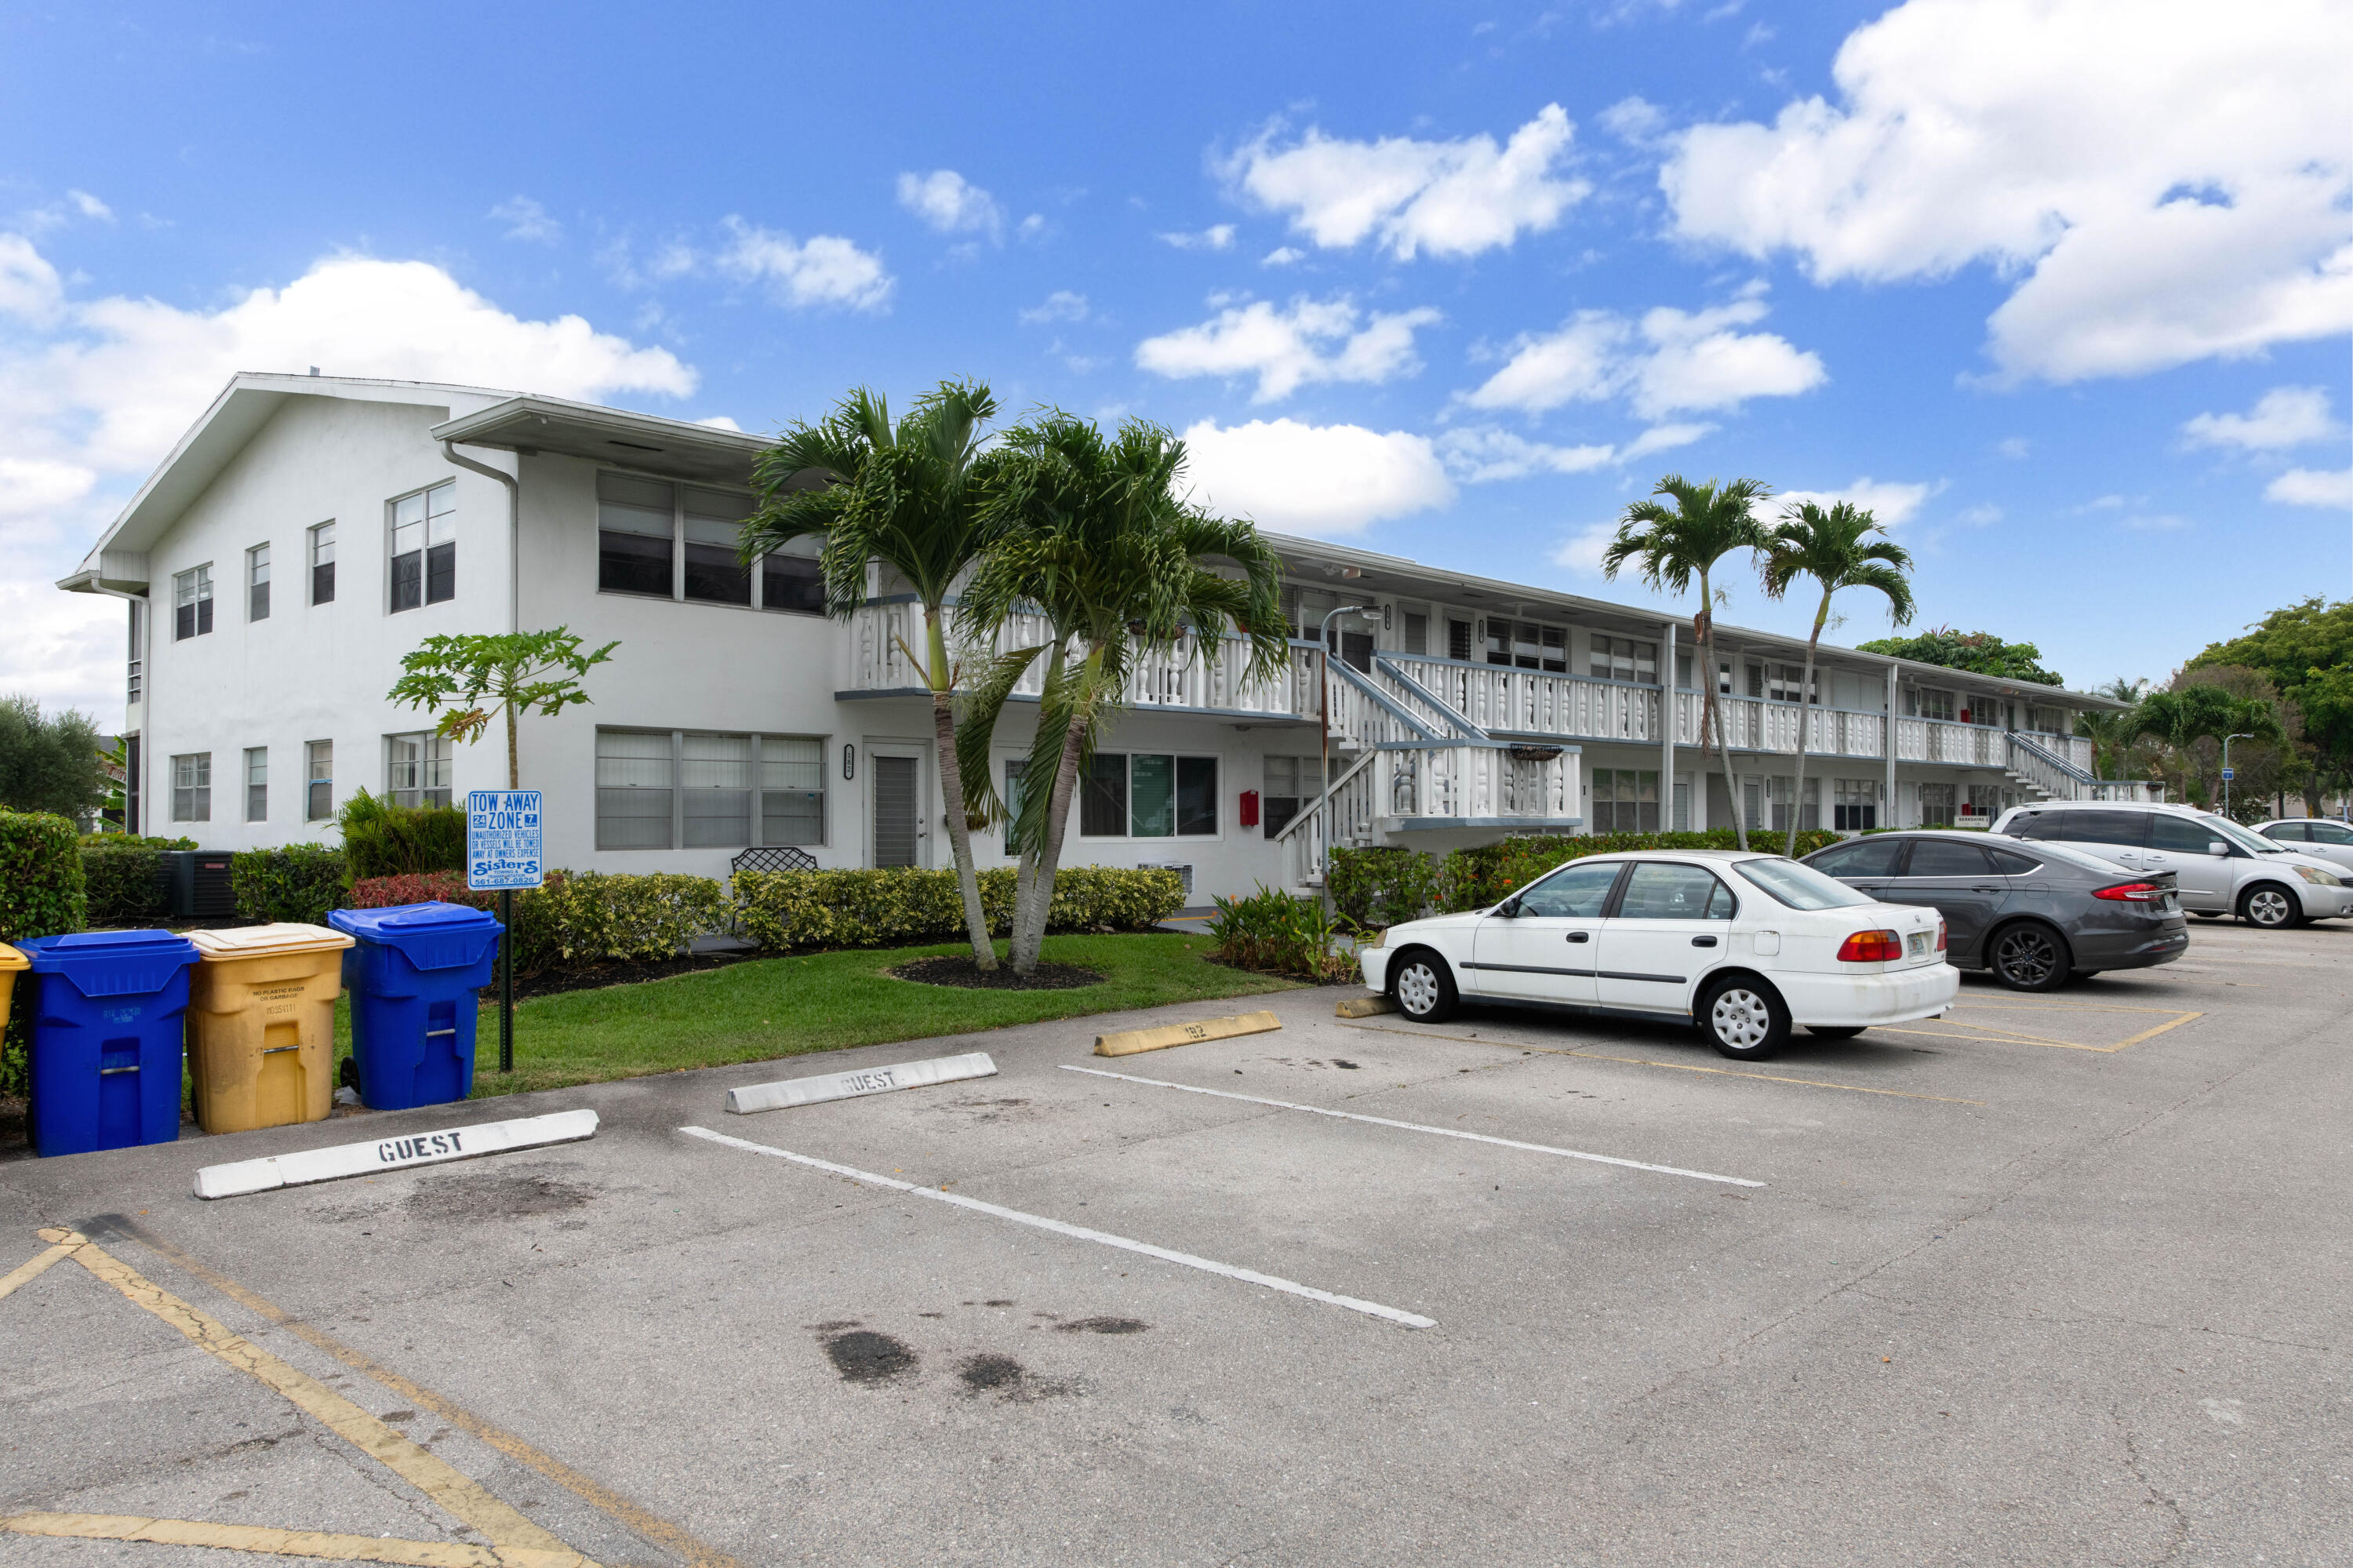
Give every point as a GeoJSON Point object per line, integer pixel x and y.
{"type": "Point", "coordinates": [895, 804]}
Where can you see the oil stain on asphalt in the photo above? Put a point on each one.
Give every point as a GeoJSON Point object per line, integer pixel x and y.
{"type": "Point", "coordinates": [862, 1355]}
{"type": "Point", "coordinates": [1104, 1326]}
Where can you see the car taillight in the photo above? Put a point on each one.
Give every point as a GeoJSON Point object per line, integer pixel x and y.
{"type": "Point", "coordinates": [1940, 933]}
{"type": "Point", "coordinates": [1870, 947]}
{"type": "Point", "coordinates": [2129, 893]}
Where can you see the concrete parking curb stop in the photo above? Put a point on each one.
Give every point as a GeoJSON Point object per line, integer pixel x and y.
{"type": "Point", "coordinates": [1128, 1042]}
{"type": "Point", "coordinates": [247, 1176]}
{"type": "Point", "coordinates": [787, 1093]}
{"type": "Point", "coordinates": [1364, 1006]}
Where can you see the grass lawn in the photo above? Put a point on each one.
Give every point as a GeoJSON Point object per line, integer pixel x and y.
{"type": "Point", "coordinates": [783, 1007]}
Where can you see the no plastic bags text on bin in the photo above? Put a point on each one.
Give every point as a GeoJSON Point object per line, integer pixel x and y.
{"type": "Point", "coordinates": [261, 1024]}
{"type": "Point", "coordinates": [108, 1010]}
{"type": "Point", "coordinates": [413, 975]}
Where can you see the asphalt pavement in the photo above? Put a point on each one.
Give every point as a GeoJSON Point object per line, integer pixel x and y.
{"type": "Point", "coordinates": [2051, 1279]}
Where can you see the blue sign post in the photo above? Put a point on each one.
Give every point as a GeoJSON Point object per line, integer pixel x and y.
{"type": "Point", "coordinates": [503, 854]}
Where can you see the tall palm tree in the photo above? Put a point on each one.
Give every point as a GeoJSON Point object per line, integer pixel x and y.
{"type": "Point", "coordinates": [1672, 545]}
{"type": "Point", "coordinates": [2107, 732]}
{"type": "Point", "coordinates": [1095, 535]}
{"type": "Point", "coordinates": [905, 495]}
{"type": "Point", "coordinates": [1839, 547]}
{"type": "Point", "coordinates": [2187, 715]}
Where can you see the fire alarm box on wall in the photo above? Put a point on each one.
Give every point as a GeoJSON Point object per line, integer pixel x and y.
{"type": "Point", "coordinates": [1250, 808]}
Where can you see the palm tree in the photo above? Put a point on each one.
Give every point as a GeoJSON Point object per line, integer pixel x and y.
{"type": "Point", "coordinates": [1840, 547]}
{"type": "Point", "coordinates": [2187, 715]}
{"type": "Point", "coordinates": [905, 496]}
{"type": "Point", "coordinates": [2108, 732]}
{"type": "Point", "coordinates": [1095, 535]}
{"type": "Point", "coordinates": [1672, 545]}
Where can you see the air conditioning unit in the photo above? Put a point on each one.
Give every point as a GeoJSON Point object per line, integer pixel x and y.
{"type": "Point", "coordinates": [1186, 871]}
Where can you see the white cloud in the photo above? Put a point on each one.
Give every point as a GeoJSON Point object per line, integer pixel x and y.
{"type": "Point", "coordinates": [93, 392]}
{"type": "Point", "coordinates": [2284, 416]}
{"type": "Point", "coordinates": [1283, 256]}
{"type": "Point", "coordinates": [1315, 479]}
{"type": "Point", "coordinates": [2153, 523]}
{"type": "Point", "coordinates": [1888, 501]}
{"type": "Point", "coordinates": [2313, 487]}
{"type": "Point", "coordinates": [90, 207]}
{"type": "Point", "coordinates": [720, 422]}
{"type": "Point", "coordinates": [2166, 179]}
{"type": "Point", "coordinates": [827, 270]}
{"type": "Point", "coordinates": [1982, 516]}
{"type": "Point", "coordinates": [1061, 305]}
{"type": "Point", "coordinates": [1666, 362]}
{"type": "Point", "coordinates": [30, 288]}
{"type": "Point", "coordinates": [2014, 447]}
{"type": "Point", "coordinates": [1032, 228]}
{"type": "Point", "coordinates": [526, 219]}
{"type": "Point", "coordinates": [1450, 198]}
{"type": "Point", "coordinates": [1581, 551]}
{"type": "Point", "coordinates": [1634, 120]}
{"type": "Point", "coordinates": [1478, 455]}
{"type": "Point", "coordinates": [1286, 349]}
{"type": "Point", "coordinates": [1216, 237]}
{"type": "Point", "coordinates": [951, 204]}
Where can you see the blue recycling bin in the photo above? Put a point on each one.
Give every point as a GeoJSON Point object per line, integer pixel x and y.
{"type": "Point", "coordinates": [107, 1019]}
{"type": "Point", "coordinates": [412, 973]}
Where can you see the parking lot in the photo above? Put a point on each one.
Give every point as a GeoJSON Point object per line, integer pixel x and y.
{"type": "Point", "coordinates": [2050, 1279]}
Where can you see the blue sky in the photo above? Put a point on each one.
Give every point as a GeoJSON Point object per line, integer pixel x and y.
{"type": "Point", "coordinates": [1455, 283]}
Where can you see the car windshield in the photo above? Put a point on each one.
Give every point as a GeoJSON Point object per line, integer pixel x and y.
{"type": "Point", "coordinates": [2253, 843]}
{"type": "Point", "coordinates": [1799, 886]}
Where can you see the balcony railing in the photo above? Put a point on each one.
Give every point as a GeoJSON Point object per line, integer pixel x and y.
{"type": "Point", "coordinates": [1398, 788]}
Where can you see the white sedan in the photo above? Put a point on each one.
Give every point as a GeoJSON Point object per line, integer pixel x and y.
{"type": "Point", "coordinates": [1744, 945]}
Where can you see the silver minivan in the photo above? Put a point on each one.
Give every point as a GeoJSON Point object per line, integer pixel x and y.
{"type": "Point", "coordinates": [2219, 867]}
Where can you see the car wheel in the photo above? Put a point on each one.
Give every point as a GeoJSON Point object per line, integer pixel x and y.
{"type": "Point", "coordinates": [2029, 956]}
{"type": "Point", "coordinates": [1833, 1032]}
{"type": "Point", "coordinates": [1424, 990]}
{"type": "Point", "coordinates": [1744, 1019]}
{"type": "Point", "coordinates": [2270, 905]}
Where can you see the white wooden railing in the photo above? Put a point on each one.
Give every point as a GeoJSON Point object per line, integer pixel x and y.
{"type": "Point", "coordinates": [1508, 701]}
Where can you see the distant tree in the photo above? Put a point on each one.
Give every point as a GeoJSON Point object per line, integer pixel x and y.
{"type": "Point", "coordinates": [2192, 720]}
{"type": "Point", "coordinates": [1837, 547]}
{"type": "Point", "coordinates": [2300, 648]}
{"type": "Point", "coordinates": [1979, 653]}
{"type": "Point", "coordinates": [2110, 731]}
{"type": "Point", "coordinates": [472, 680]}
{"type": "Point", "coordinates": [49, 762]}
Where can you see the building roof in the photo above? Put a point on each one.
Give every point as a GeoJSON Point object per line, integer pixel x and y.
{"type": "Point", "coordinates": [529, 423]}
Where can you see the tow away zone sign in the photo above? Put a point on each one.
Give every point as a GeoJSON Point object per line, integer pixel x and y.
{"type": "Point", "coordinates": [393, 1153]}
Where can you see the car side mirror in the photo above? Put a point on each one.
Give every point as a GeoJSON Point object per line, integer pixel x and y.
{"type": "Point", "coordinates": [2216, 846]}
{"type": "Point", "coordinates": [1509, 908]}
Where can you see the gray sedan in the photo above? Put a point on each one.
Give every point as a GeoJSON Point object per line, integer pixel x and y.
{"type": "Point", "coordinates": [2033, 913]}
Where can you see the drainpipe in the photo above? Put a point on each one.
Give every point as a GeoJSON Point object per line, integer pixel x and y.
{"type": "Point", "coordinates": [514, 524]}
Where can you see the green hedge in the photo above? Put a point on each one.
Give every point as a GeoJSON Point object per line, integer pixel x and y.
{"type": "Point", "coordinates": [300, 881]}
{"type": "Point", "coordinates": [784, 909]}
{"type": "Point", "coordinates": [42, 894]}
{"type": "Point", "coordinates": [381, 839]}
{"type": "Point", "coordinates": [125, 878]}
{"type": "Point", "coordinates": [1379, 887]}
{"type": "Point", "coordinates": [580, 918]}
{"type": "Point", "coordinates": [132, 840]}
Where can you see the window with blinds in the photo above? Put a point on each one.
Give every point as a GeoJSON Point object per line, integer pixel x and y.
{"type": "Point", "coordinates": [1293, 783]}
{"type": "Point", "coordinates": [425, 547]}
{"type": "Point", "coordinates": [1527, 645]}
{"type": "Point", "coordinates": [691, 789]}
{"type": "Point", "coordinates": [635, 774]}
{"type": "Point", "coordinates": [1624, 659]}
{"type": "Point", "coordinates": [416, 769]}
{"type": "Point", "coordinates": [634, 523]}
{"type": "Point", "coordinates": [1148, 795]}
{"type": "Point", "coordinates": [713, 520]}
{"type": "Point", "coordinates": [715, 785]}
{"type": "Point", "coordinates": [792, 790]}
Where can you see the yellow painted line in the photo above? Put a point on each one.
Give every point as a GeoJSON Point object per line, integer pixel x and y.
{"type": "Point", "coordinates": [1677, 1066]}
{"type": "Point", "coordinates": [629, 1515]}
{"type": "Point", "coordinates": [287, 1542]}
{"type": "Point", "coordinates": [456, 1493]}
{"type": "Point", "coordinates": [25, 1273]}
{"type": "Point", "coordinates": [2060, 1007]}
{"type": "Point", "coordinates": [1994, 1036]}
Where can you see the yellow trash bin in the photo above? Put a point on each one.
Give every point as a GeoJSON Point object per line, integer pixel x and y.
{"type": "Point", "coordinates": [11, 960]}
{"type": "Point", "coordinates": [261, 1024]}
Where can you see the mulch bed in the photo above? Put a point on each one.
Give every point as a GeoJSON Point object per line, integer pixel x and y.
{"type": "Point", "coordinates": [952, 970]}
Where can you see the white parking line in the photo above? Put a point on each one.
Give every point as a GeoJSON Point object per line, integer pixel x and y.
{"type": "Point", "coordinates": [1249, 1275]}
{"type": "Point", "coordinates": [1417, 1126]}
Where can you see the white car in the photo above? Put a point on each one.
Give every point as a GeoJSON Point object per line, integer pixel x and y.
{"type": "Point", "coordinates": [2317, 836]}
{"type": "Point", "coordinates": [1744, 946]}
{"type": "Point", "coordinates": [2219, 867]}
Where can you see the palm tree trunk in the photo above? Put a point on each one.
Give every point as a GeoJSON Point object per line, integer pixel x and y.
{"type": "Point", "coordinates": [984, 952]}
{"type": "Point", "coordinates": [1722, 741]}
{"type": "Point", "coordinates": [1805, 718]}
{"type": "Point", "coordinates": [1025, 879]}
{"type": "Point", "coordinates": [1030, 935]}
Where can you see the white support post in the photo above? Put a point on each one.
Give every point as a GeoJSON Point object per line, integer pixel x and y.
{"type": "Point", "coordinates": [1667, 731]}
{"type": "Point", "coordinates": [1888, 730]}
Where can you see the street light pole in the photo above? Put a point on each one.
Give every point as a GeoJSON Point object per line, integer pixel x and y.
{"type": "Point", "coordinates": [1323, 710]}
{"type": "Point", "coordinates": [2226, 770]}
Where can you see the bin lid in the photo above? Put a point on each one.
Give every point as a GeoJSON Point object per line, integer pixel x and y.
{"type": "Point", "coordinates": [261, 941]}
{"type": "Point", "coordinates": [106, 963]}
{"type": "Point", "coordinates": [10, 958]}
{"type": "Point", "coordinates": [431, 919]}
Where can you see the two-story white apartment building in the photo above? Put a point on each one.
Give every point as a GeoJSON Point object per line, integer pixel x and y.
{"type": "Point", "coordinates": [308, 531]}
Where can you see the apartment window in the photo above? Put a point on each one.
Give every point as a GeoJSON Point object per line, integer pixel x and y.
{"type": "Point", "coordinates": [416, 771]}
{"type": "Point", "coordinates": [635, 525]}
{"type": "Point", "coordinates": [257, 583]}
{"type": "Point", "coordinates": [635, 770]}
{"type": "Point", "coordinates": [425, 546]}
{"type": "Point", "coordinates": [1293, 783]}
{"type": "Point", "coordinates": [792, 578]}
{"type": "Point", "coordinates": [1623, 659]}
{"type": "Point", "coordinates": [1015, 779]}
{"type": "Point", "coordinates": [1683, 672]}
{"type": "Point", "coordinates": [792, 790]}
{"type": "Point", "coordinates": [1781, 683]}
{"type": "Point", "coordinates": [713, 520]}
{"type": "Point", "coordinates": [322, 563]}
{"type": "Point", "coordinates": [192, 787]}
{"type": "Point", "coordinates": [716, 790]}
{"type": "Point", "coordinates": [318, 789]}
{"type": "Point", "coordinates": [1527, 645]}
{"type": "Point", "coordinates": [1624, 801]}
{"type": "Point", "coordinates": [1936, 805]}
{"type": "Point", "coordinates": [1928, 702]}
{"type": "Point", "coordinates": [1854, 805]}
{"type": "Point", "coordinates": [257, 783]}
{"type": "Point", "coordinates": [192, 603]}
{"type": "Point", "coordinates": [1148, 795]}
{"type": "Point", "coordinates": [135, 682]}
{"type": "Point", "coordinates": [1304, 610]}
{"type": "Point", "coordinates": [1458, 639]}
{"type": "Point", "coordinates": [1417, 631]}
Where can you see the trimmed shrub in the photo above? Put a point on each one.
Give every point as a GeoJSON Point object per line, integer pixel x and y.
{"type": "Point", "coordinates": [1274, 930]}
{"type": "Point", "coordinates": [381, 839]}
{"type": "Point", "coordinates": [42, 894]}
{"type": "Point", "coordinates": [130, 840]}
{"type": "Point", "coordinates": [125, 878]}
{"type": "Point", "coordinates": [854, 908]}
{"type": "Point", "coordinates": [577, 920]}
{"type": "Point", "coordinates": [300, 881]}
{"type": "Point", "coordinates": [1375, 888]}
